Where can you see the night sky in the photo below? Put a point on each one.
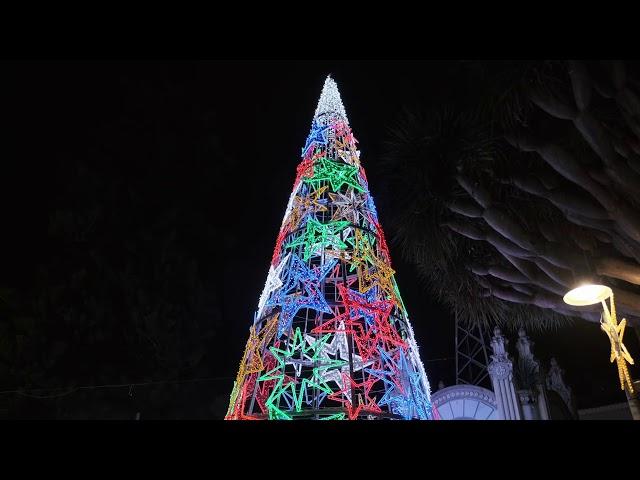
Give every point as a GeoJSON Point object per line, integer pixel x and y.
{"type": "Point", "coordinates": [129, 117]}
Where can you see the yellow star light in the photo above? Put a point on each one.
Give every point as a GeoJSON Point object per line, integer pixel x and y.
{"type": "Point", "coordinates": [379, 273]}
{"type": "Point", "coordinates": [615, 332]}
{"type": "Point", "coordinates": [252, 358]}
{"type": "Point", "coordinates": [302, 205]}
{"type": "Point", "coordinates": [382, 276]}
{"type": "Point", "coordinates": [362, 253]}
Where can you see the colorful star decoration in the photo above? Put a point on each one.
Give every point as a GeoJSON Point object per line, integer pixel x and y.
{"type": "Point", "coordinates": [300, 290]}
{"type": "Point", "coordinates": [319, 236]}
{"type": "Point", "coordinates": [272, 284]}
{"type": "Point", "coordinates": [350, 206]}
{"type": "Point", "coordinates": [335, 173]}
{"type": "Point", "coordinates": [317, 137]}
{"type": "Point", "coordinates": [306, 204]}
{"type": "Point", "coordinates": [331, 338]}
{"type": "Point", "coordinates": [339, 347]}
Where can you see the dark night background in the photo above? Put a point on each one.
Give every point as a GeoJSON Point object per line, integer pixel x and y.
{"type": "Point", "coordinates": [141, 205]}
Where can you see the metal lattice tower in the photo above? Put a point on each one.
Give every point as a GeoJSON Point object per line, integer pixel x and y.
{"type": "Point", "coordinates": [471, 356]}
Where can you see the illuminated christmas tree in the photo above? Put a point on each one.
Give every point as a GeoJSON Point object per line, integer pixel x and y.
{"type": "Point", "coordinates": [331, 338]}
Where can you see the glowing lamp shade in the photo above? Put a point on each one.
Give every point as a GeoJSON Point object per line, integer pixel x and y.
{"type": "Point", "coordinates": [587, 295]}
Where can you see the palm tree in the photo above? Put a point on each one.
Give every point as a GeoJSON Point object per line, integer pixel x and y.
{"type": "Point", "coordinates": [525, 184]}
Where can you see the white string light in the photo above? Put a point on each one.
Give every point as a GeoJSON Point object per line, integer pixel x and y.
{"type": "Point", "coordinates": [330, 101]}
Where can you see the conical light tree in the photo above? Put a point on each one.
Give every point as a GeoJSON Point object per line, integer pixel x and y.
{"type": "Point", "coordinates": [331, 338]}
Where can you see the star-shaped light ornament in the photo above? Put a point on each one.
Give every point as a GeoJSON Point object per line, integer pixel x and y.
{"type": "Point", "coordinates": [336, 251]}
{"type": "Point", "coordinates": [300, 290]}
{"type": "Point", "coordinates": [273, 283]}
{"type": "Point", "coordinates": [422, 402]}
{"type": "Point", "coordinates": [362, 255]}
{"type": "Point", "coordinates": [364, 338]}
{"type": "Point", "coordinates": [381, 240]}
{"type": "Point", "coordinates": [317, 237]}
{"type": "Point", "coordinates": [373, 269]}
{"type": "Point", "coordinates": [292, 393]}
{"type": "Point", "coordinates": [403, 392]}
{"type": "Point", "coordinates": [239, 397]}
{"type": "Point", "coordinates": [287, 213]}
{"type": "Point", "coordinates": [371, 207]}
{"type": "Point", "coordinates": [318, 136]}
{"type": "Point", "coordinates": [377, 315]}
{"type": "Point", "coordinates": [381, 275]}
{"type": "Point", "coordinates": [278, 250]}
{"type": "Point", "coordinates": [251, 362]}
{"type": "Point", "coordinates": [619, 353]}
{"type": "Point", "coordinates": [337, 174]}
{"type": "Point", "coordinates": [364, 402]}
{"type": "Point", "coordinates": [366, 322]}
{"type": "Point", "coordinates": [339, 365]}
{"type": "Point", "coordinates": [344, 138]}
{"type": "Point", "coordinates": [265, 387]}
{"type": "Point", "coordinates": [346, 156]}
{"type": "Point", "coordinates": [345, 144]}
{"type": "Point", "coordinates": [307, 204]}
{"type": "Point", "coordinates": [304, 170]}
{"type": "Point", "coordinates": [350, 206]}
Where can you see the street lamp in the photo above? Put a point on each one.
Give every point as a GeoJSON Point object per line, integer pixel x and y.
{"type": "Point", "coordinates": [590, 294]}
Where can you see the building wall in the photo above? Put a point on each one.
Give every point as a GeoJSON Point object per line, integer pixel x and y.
{"type": "Point", "coordinates": [617, 411]}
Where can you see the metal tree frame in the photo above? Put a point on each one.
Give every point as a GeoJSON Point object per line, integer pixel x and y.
{"type": "Point", "coordinates": [331, 338]}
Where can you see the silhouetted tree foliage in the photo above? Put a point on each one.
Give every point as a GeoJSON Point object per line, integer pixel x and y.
{"type": "Point", "coordinates": [523, 181]}
{"type": "Point", "coordinates": [127, 290]}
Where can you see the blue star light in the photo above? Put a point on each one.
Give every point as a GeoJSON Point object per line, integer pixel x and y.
{"type": "Point", "coordinates": [318, 135]}
{"type": "Point", "coordinates": [300, 281]}
{"type": "Point", "coordinates": [400, 374]}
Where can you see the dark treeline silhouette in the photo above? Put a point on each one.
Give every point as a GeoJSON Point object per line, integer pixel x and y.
{"type": "Point", "coordinates": [120, 283]}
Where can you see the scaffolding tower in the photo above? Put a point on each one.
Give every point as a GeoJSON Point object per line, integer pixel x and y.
{"type": "Point", "coordinates": [471, 355]}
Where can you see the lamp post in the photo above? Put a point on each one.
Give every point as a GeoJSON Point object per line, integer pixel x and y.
{"type": "Point", "coordinates": [591, 294]}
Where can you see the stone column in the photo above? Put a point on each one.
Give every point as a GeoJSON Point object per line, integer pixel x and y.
{"type": "Point", "coordinates": [556, 383]}
{"type": "Point", "coordinates": [501, 373]}
{"type": "Point", "coordinates": [528, 404]}
{"type": "Point", "coordinates": [538, 395]}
